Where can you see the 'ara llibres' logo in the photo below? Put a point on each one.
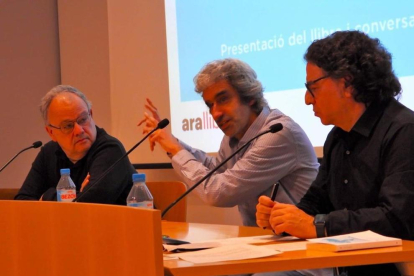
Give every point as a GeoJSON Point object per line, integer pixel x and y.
{"type": "Point", "coordinates": [199, 123]}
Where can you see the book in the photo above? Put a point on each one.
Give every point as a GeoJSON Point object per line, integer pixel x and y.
{"type": "Point", "coordinates": [353, 241]}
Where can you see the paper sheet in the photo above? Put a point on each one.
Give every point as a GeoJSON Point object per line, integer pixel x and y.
{"type": "Point", "coordinates": [288, 246]}
{"type": "Point", "coordinates": [229, 241]}
{"type": "Point", "coordinates": [227, 253]}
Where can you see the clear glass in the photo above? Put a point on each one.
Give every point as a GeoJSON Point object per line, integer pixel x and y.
{"type": "Point", "coordinates": [67, 126]}
{"type": "Point", "coordinates": [309, 83]}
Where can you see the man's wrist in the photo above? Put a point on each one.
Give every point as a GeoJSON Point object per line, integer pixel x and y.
{"type": "Point", "coordinates": [320, 224]}
{"type": "Point", "coordinates": [174, 151]}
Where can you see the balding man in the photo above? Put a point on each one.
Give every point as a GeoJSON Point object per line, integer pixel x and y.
{"type": "Point", "coordinates": [78, 144]}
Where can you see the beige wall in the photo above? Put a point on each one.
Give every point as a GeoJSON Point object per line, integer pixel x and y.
{"type": "Point", "coordinates": [29, 67]}
{"type": "Point", "coordinates": [135, 68]}
{"type": "Point", "coordinates": [84, 53]}
{"type": "Point", "coordinates": [113, 50]}
{"type": "Point", "coordinates": [118, 59]}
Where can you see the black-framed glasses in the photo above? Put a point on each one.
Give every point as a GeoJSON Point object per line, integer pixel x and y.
{"type": "Point", "coordinates": [312, 82]}
{"type": "Point", "coordinates": [67, 126]}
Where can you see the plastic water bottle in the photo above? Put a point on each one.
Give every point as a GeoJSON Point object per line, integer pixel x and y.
{"type": "Point", "coordinates": [66, 189]}
{"type": "Point", "coordinates": [140, 196]}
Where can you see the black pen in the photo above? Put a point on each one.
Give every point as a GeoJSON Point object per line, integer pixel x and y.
{"type": "Point", "coordinates": [274, 191]}
{"type": "Point", "coordinates": [273, 197]}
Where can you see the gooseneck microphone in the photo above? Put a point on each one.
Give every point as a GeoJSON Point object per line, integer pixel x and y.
{"type": "Point", "coordinates": [273, 129]}
{"type": "Point", "coordinates": [34, 146]}
{"type": "Point", "coordinates": [162, 124]}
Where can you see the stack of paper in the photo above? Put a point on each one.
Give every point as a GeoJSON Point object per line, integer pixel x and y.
{"type": "Point", "coordinates": [225, 249]}
{"type": "Point", "coordinates": [227, 253]}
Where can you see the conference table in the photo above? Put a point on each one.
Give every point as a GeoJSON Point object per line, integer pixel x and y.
{"type": "Point", "coordinates": [290, 260]}
{"type": "Point", "coordinates": [37, 238]}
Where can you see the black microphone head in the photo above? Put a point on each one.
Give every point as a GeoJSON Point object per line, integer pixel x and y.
{"type": "Point", "coordinates": [37, 144]}
{"type": "Point", "coordinates": [163, 123]}
{"type": "Point", "coordinates": [276, 127]}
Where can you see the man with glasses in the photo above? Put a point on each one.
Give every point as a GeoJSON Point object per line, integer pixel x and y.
{"type": "Point", "coordinates": [366, 180]}
{"type": "Point", "coordinates": [78, 144]}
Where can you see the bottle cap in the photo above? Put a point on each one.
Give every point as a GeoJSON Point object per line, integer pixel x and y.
{"type": "Point", "coordinates": [64, 171]}
{"type": "Point", "coordinates": [138, 177]}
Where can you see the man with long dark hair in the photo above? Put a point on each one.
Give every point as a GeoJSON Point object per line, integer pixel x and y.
{"type": "Point", "coordinates": [366, 180]}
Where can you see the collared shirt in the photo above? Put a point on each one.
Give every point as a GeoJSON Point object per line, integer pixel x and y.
{"type": "Point", "coordinates": [113, 188]}
{"type": "Point", "coordinates": [366, 181]}
{"type": "Point", "coordinates": [286, 156]}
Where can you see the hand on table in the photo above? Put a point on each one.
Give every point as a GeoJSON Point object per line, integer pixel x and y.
{"type": "Point", "coordinates": [263, 210]}
{"type": "Point", "coordinates": [284, 218]}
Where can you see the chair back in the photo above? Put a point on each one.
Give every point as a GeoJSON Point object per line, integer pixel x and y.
{"type": "Point", "coordinates": [165, 193]}
{"type": "Point", "coordinates": [8, 194]}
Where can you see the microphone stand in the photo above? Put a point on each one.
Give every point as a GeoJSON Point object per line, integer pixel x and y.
{"type": "Point", "coordinates": [273, 129]}
{"type": "Point", "coordinates": [35, 145]}
{"type": "Point", "coordinates": [162, 124]}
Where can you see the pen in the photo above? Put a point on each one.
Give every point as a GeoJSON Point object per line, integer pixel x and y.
{"type": "Point", "coordinates": [273, 197]}
{"type": "Point", "coordinates": [274, 191]}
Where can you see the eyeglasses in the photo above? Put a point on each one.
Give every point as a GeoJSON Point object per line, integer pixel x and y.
{"type": "Point", "coordinates": [309, 83]}
{"type": "Point", "coordinates": [67, 126]}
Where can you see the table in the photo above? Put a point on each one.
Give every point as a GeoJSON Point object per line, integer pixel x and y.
{"type": "Point", "coordinates": [39, 237]}
{"type": "Point", "coordinates": [286, 261]}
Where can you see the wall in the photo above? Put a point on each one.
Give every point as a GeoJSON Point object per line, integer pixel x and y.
{"type": "Point", "coordinates": [29, 67]}
{"type": "Point", "coordinates": [119, 59]}
{"type": "Point", "coordinates": [114, 51]}
{"type": "Point", "coordinates": [84, 53]}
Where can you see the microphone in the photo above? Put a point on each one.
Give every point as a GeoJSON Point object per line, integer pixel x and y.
{"type": "Point", "coordinates": [35, 145]}
{"type": "Point", "coordinates": [161, 124]}
{"type": "Point", "coordinates": [273, 129]}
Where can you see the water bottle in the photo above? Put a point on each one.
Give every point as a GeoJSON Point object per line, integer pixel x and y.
{"type": "Point", "coordinates": [66, 189]}
{"type": "Point", "coordinates": [140, 196]}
